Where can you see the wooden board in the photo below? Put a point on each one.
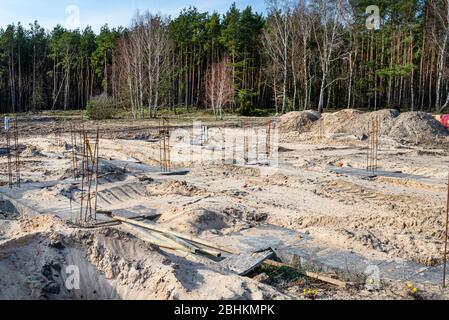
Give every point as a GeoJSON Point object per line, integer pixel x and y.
{"type": "Point", "coordinates": [244, 263]}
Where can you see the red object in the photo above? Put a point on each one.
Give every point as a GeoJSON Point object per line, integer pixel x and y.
{"type": "Point", "coordinates": [445, 120]}
{"type": "Point", "coordinates": [245, 186]}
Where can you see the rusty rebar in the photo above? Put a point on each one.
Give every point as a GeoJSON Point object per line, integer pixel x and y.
{"type": "Point", "coordinates": [268, 140]}
{"type": "Point", "coordinates": [74, 152]}
{"type": "Point", "coordinates": [373, 144]}
{"type": "Point", "coordinates": [234, 151]}
{"type": "Point", "coordinates": [17, 152]}
{"type": "Point", "coordinates": [223, 145]}
{"type": "Point", "coordinates": [9, 156]}
{"type": "Point", "coordinates": [257, 145]}
{"type": "Point", "coordinates": [245, 146]}
{"type": "Point", "coordinates": [83, 154]}
{"type": "Point", "coordinates": [446, 237]}
{"type": "Point", "coordinates": [89, 168]}
{"type": "Point", "coordinates": [96, 171]}
{"type": "Point", "coordinates": [164, 145]}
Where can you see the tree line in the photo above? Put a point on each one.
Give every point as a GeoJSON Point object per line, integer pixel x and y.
{"type": "Point", "coordinates": [300, 54]}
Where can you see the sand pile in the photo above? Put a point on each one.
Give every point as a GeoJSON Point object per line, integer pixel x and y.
{"type": "Point", "coordinates": [408, 127]}
{"type": "Point", "coordinates": [194, 220]}
{"type": "Point", "coordinates": [355, 122]}
{"type": "Point", "coordinates": [236, 171]}
{"type": "Point", "coordinates": [417, 127]}
{"type": "Point", "coordinates": [297, 121]}
{"type": "Point", "coordinates": [111, 265]}
{"type": "Point", "coordinates": [338, 122]}
{"type": "Point", "coordinates": [217, 219]}
{"type": "Point", "coordinates": [174, 187]}
{"type": "Point", "coordinates": [56, 192]}
{"type": "Point", "coordinates": [31, 151]}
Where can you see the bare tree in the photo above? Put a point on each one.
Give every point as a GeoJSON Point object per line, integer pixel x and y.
{"type": "Point", "coordinates": [145, 60]}
{"type": "Point", "coordinates": [440, 34]}
{"type": "Point", "coordinates": [301, 26]}
{"type": "Point", "coordinates": [277, 40]}
{"type": "Point", "coordinates": [128, 83]}
{"type": "Point", "coordinates": [219, 86]}
{"type": "Point", "coordinates": [157, 50]}
{"type": "Point", "coordinates": [328, 33]}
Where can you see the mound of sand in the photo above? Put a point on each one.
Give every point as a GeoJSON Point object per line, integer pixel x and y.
{"type": "Point", "coordinates": [355, 122]}
{"type": "Point", "coordinates": [194, 220]}
{"type": "Point", "coordinates": [297, 121]}
{"type": "Point", "coordinates": [174, 187]}
{"type": "Point", "coordinates": [417, 127]}
{"type": "Point", "coordinates": [238, 171]}
{"type": "Point", "coordinates": [408, 127]}
{"type": "Point", "coordinates": [111, 265]}
{"type": "Point", "coordinates": [53, 192]}
{"type": "Point", "coordinates": [218, 219]}
{"type": "Point", "coordinates": [31, 151]}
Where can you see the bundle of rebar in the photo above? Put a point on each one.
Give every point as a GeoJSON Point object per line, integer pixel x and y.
{"type": "Point", "coordinates": [223, 145]}
{"type": "Point", "coordinates": [246, 148]}
{"type": "Point", "coordinates": [73, 140]}
{"type": "Point", "coordinates": [268, 139]}
{"type": "Point", "coordinates": [321, 128]}
{"type": "Point", "coordinates": [13, 150]}
{"type": "Point", "coordinates": [89, 176]}
{"type": "Point", "coordinates": [17, 151]}
{"type": "Point", "coordinates": [8, 151]}
{"type": "Point", "coordinates": [234, 151]}
{"type": "Point", "coordinates": [373, 144]}
{"type": "Point", "coordinates": [446, 235]}
{"type": "Point", "coordinates": [257, 145]}
{"type": "Point", "coordinates": [164, 145]}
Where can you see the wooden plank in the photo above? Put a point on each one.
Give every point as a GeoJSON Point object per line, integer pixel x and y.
{"type": "Point", "coordinates": [157, 228]}
{"type": "Point", "coordinates": [154, 239]}
{"type": "Point", "coordinates": [175, 241]}
{"type": "Point", "coordinates": [112, 223]}
{"type": "Point", "coordinates": [244, 263]}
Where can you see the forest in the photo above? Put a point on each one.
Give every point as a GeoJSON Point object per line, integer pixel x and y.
{"type": "Point", "coordinates": [303, 54]}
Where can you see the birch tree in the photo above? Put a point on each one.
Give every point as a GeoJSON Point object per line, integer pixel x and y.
{"type": "Point", "coordinates": [157, 55]}
{"type": "Point", "coordinates": [277, 40]}
{"type": "Point", "coordinates": [219, 86]}
{"type": "Point", "coordinates": [440, 9]}
{"type": "Point", "coordinates": [328, 35]}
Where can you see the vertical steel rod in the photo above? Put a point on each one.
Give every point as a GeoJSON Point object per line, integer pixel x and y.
{"type": "Point", "coordinates": [445, 237]}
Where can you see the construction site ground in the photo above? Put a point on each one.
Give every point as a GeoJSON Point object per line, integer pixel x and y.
{"type": "Point", "coordinates": [318, 207]}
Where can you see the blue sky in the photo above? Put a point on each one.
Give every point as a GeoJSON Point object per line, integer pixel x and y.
{"type": "Point", "coordinates": [98, 12]}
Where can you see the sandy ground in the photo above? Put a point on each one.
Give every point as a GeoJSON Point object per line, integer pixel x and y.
{"type": "Point", "coordinates": [380, 217]}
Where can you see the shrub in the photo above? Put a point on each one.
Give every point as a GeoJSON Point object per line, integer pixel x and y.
{"type": "Point", "coordinates": [100, 107]}
{"type": "Point", "coordinates": [245, 101]}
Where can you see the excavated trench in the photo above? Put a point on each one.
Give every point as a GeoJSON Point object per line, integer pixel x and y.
{"type": "Point", "coordinates": [57, 267]}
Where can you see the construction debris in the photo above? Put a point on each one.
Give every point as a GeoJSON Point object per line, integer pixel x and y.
{"type": "Point", "coordinates": [179, 238]}
{"type": "Point", "coordinates": [244, 263]}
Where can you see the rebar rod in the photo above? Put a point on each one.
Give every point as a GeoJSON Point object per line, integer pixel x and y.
{"type": "Point", "coordinates": [17, 152]}
{"type": "Point", "coordinates": [82, 174]}
{"type": "Point", "coordinates": [8, 150]}
{"type": "Point", "coordinates": [446, 237]}
{"type": "Point", "coordinates": [96, 171]}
